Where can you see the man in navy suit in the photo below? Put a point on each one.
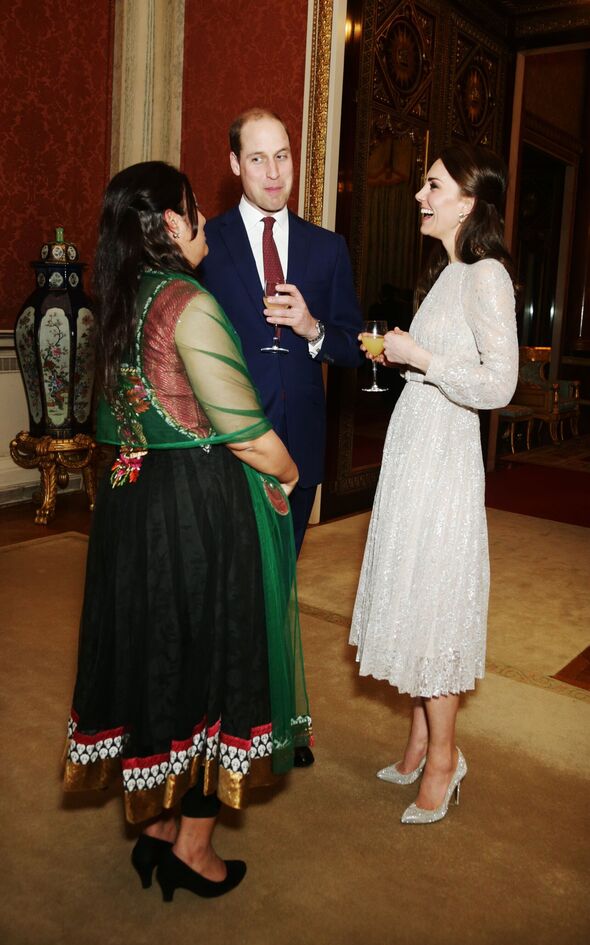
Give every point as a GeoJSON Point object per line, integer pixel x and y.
{"type": "Point", "coordinates": [319, 314]}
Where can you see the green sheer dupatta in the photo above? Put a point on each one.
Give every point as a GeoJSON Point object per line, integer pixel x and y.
{"type": "Point", "coordinates": [212, 355]}
{"type": "Point", "coordinates": [291, 723]}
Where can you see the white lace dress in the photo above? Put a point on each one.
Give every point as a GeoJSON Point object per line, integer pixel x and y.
{"type": "Point", "coordinates": [421, 608]}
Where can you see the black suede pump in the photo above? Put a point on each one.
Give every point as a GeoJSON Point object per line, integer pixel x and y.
{"type": "Point", "coordinates": [173, 874]}
{"type": "Point", "coordinates": [145, 856]}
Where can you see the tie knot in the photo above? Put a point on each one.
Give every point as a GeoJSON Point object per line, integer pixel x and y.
{"type": "Point", "coordinates": [269, 222]}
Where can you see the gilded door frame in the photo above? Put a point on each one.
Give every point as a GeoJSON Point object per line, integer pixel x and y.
{"type": "Point", "coordinates": [322, 102]}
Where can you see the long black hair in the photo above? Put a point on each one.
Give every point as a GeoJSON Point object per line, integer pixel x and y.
{"type": "Point", "coordinates": [481, 174]}
{"type": "Point", "coordinates": [132, 236]}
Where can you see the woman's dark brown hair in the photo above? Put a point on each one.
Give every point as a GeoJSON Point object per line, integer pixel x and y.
{"type": "Point", "coordinates": [133, 236]}
{"type": "Point", "coordinates": [480, 174]}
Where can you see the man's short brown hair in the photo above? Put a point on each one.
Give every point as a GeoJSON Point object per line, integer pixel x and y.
{"type": "Point", "coordinates": [251, 114]}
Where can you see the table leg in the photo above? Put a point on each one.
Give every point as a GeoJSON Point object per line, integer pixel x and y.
{"type": "Point", "coordinates": [47, 468]}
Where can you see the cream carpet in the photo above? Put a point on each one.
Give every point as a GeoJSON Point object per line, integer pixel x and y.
{"type": "Point", "coordinates": [329, 862]}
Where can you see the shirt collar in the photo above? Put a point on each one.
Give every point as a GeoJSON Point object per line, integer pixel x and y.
{"type": "Point", "coordinates": [253, 215]}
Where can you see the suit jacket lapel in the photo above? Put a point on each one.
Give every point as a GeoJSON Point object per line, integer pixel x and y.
{"type": "Point", "coordinates": [235, 237]}
{"type": "Point", "coordinates": [299, 247]}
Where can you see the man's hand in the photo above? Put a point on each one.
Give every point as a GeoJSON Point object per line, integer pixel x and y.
{"type": "Point", "coordinates": [292, 312]}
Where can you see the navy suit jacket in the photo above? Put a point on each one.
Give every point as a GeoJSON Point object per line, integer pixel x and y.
{"type": "Point", "coordinates": [290, 385]}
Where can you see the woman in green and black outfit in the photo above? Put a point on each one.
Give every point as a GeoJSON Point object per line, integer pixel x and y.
{"type": "Point", "coordinates": [190, 675]}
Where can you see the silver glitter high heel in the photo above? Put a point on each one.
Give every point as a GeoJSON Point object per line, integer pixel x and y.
{"type": "Point", "coordinates": [394, 776]}
{"type": "Point", "coordinates": [417, 815]}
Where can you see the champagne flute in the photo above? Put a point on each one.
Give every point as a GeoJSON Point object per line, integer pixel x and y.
{"type": "Point", "coordinates": [270, 290]}
{"type": "Point", "coordinates": [373, 340]}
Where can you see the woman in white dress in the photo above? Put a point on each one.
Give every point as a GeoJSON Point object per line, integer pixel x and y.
{"type": "Point", "coordinates": [421, 608]}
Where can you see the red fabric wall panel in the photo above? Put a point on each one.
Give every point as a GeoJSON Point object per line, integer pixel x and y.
{"type": "Point", "coordinates": [55, 118]}
{"type": "Point", "coordinates": [238, 55]}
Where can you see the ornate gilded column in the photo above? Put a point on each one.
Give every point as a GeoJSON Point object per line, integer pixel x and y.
{"type": "Point", "coordinates": [147, 81]}
{"type": "Point", "coordinates": [321, 111]}
{"type": "Point", "coordinates": [322, 102]}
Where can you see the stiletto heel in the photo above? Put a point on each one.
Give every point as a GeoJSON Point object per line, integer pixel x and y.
{"type": "Point", "coordinates": [173, 874]}
{"type": "Point", "coordinates": [145, 856]}
{"type": "Point", "coordinates": [417, 815]}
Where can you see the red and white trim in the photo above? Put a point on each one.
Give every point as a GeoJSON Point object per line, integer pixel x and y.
{"type": "Point", "coordinates": [139, 774]}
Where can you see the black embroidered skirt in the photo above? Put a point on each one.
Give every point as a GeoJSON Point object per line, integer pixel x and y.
{"type": "Point", "coordinates": [172, 665]}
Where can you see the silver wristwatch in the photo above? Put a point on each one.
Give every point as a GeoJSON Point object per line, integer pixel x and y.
{"type": "Point", "coordinates": [321, 331]}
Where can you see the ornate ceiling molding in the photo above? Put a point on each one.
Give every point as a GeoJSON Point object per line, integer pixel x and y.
{"type": "Point", "coordinates": [560, 21]}
{"type": "Point", "coordinates": [522, 19]}
{"type": "Point", "coordinates": [525, 7]}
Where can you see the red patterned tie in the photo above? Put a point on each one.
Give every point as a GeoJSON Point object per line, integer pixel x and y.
{"type": "Point", "coordinates": [273, 271]}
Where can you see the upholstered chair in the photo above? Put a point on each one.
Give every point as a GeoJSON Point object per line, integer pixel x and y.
{"type": "Point", "coordinates": [514, 414]}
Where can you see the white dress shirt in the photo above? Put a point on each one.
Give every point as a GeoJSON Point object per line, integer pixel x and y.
{"type": "Point", "coordinates": [253, 218]}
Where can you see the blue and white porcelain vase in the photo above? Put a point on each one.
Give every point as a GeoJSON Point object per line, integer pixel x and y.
{"type": "Point", "coordinates": [54, 339]}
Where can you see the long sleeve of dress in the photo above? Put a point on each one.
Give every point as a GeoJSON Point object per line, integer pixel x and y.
{"type": "Point", "coordinates": [212, 356]}
{"type": "Point", "coordinates": [488, 307]}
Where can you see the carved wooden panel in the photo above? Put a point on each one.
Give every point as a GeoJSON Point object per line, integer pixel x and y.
{"type": "Point", "coordinates": [478, 80]}
{"type": "Point", "coordinates": [404, 61]}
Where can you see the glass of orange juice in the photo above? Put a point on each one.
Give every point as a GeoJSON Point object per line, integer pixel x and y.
{"type": "Point", "coordinates": [373, 340]}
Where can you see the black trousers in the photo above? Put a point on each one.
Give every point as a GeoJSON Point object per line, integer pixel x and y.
{"type": "Point", "coordinates": [196, 804]}
{"type": "Point", "coordinates": [301, 500]}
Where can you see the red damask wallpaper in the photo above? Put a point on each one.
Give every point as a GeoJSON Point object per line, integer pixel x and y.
{"type": "Point", "coordinates": [237, 55]}
{"type": "Point", "coordinates": [55, 117]}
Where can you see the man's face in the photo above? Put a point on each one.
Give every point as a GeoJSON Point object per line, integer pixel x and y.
{"type": "Point", "coordinates": [265, 164]}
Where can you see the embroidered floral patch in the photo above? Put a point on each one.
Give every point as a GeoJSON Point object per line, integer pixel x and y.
{"type": "Point", "coordinates": [126, 468]}
{"type": "Point", "coordinates": [129, 400]}
{"type": "Point", "coordinates": [136, 394]}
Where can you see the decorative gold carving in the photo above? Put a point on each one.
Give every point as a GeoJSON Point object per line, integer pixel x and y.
{"type": "Point", "coordinates": [404, 57]}
{"type": "Point", "coordinates": [384, 125]}
{"type": "Point", "coordinates": [568, 20]}
{"type": "Point", "coordinates": [55, 459]}
{"type": "Point", "coordinates": [524, 7]}
{"type": "Point", "coordinates": [403, 60]}
{"type": "Point", "coordinates": [318, 111]}
{"type": "Point", "coordinates": [476, 96]}
{"type": "Point", "coordinates": [478, 85]}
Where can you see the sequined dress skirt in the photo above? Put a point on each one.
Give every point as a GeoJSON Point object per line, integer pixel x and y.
{"type": "Point", "coordinates": [420, 615]}
{"type": "Point", "coordinates": [172, 667]}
